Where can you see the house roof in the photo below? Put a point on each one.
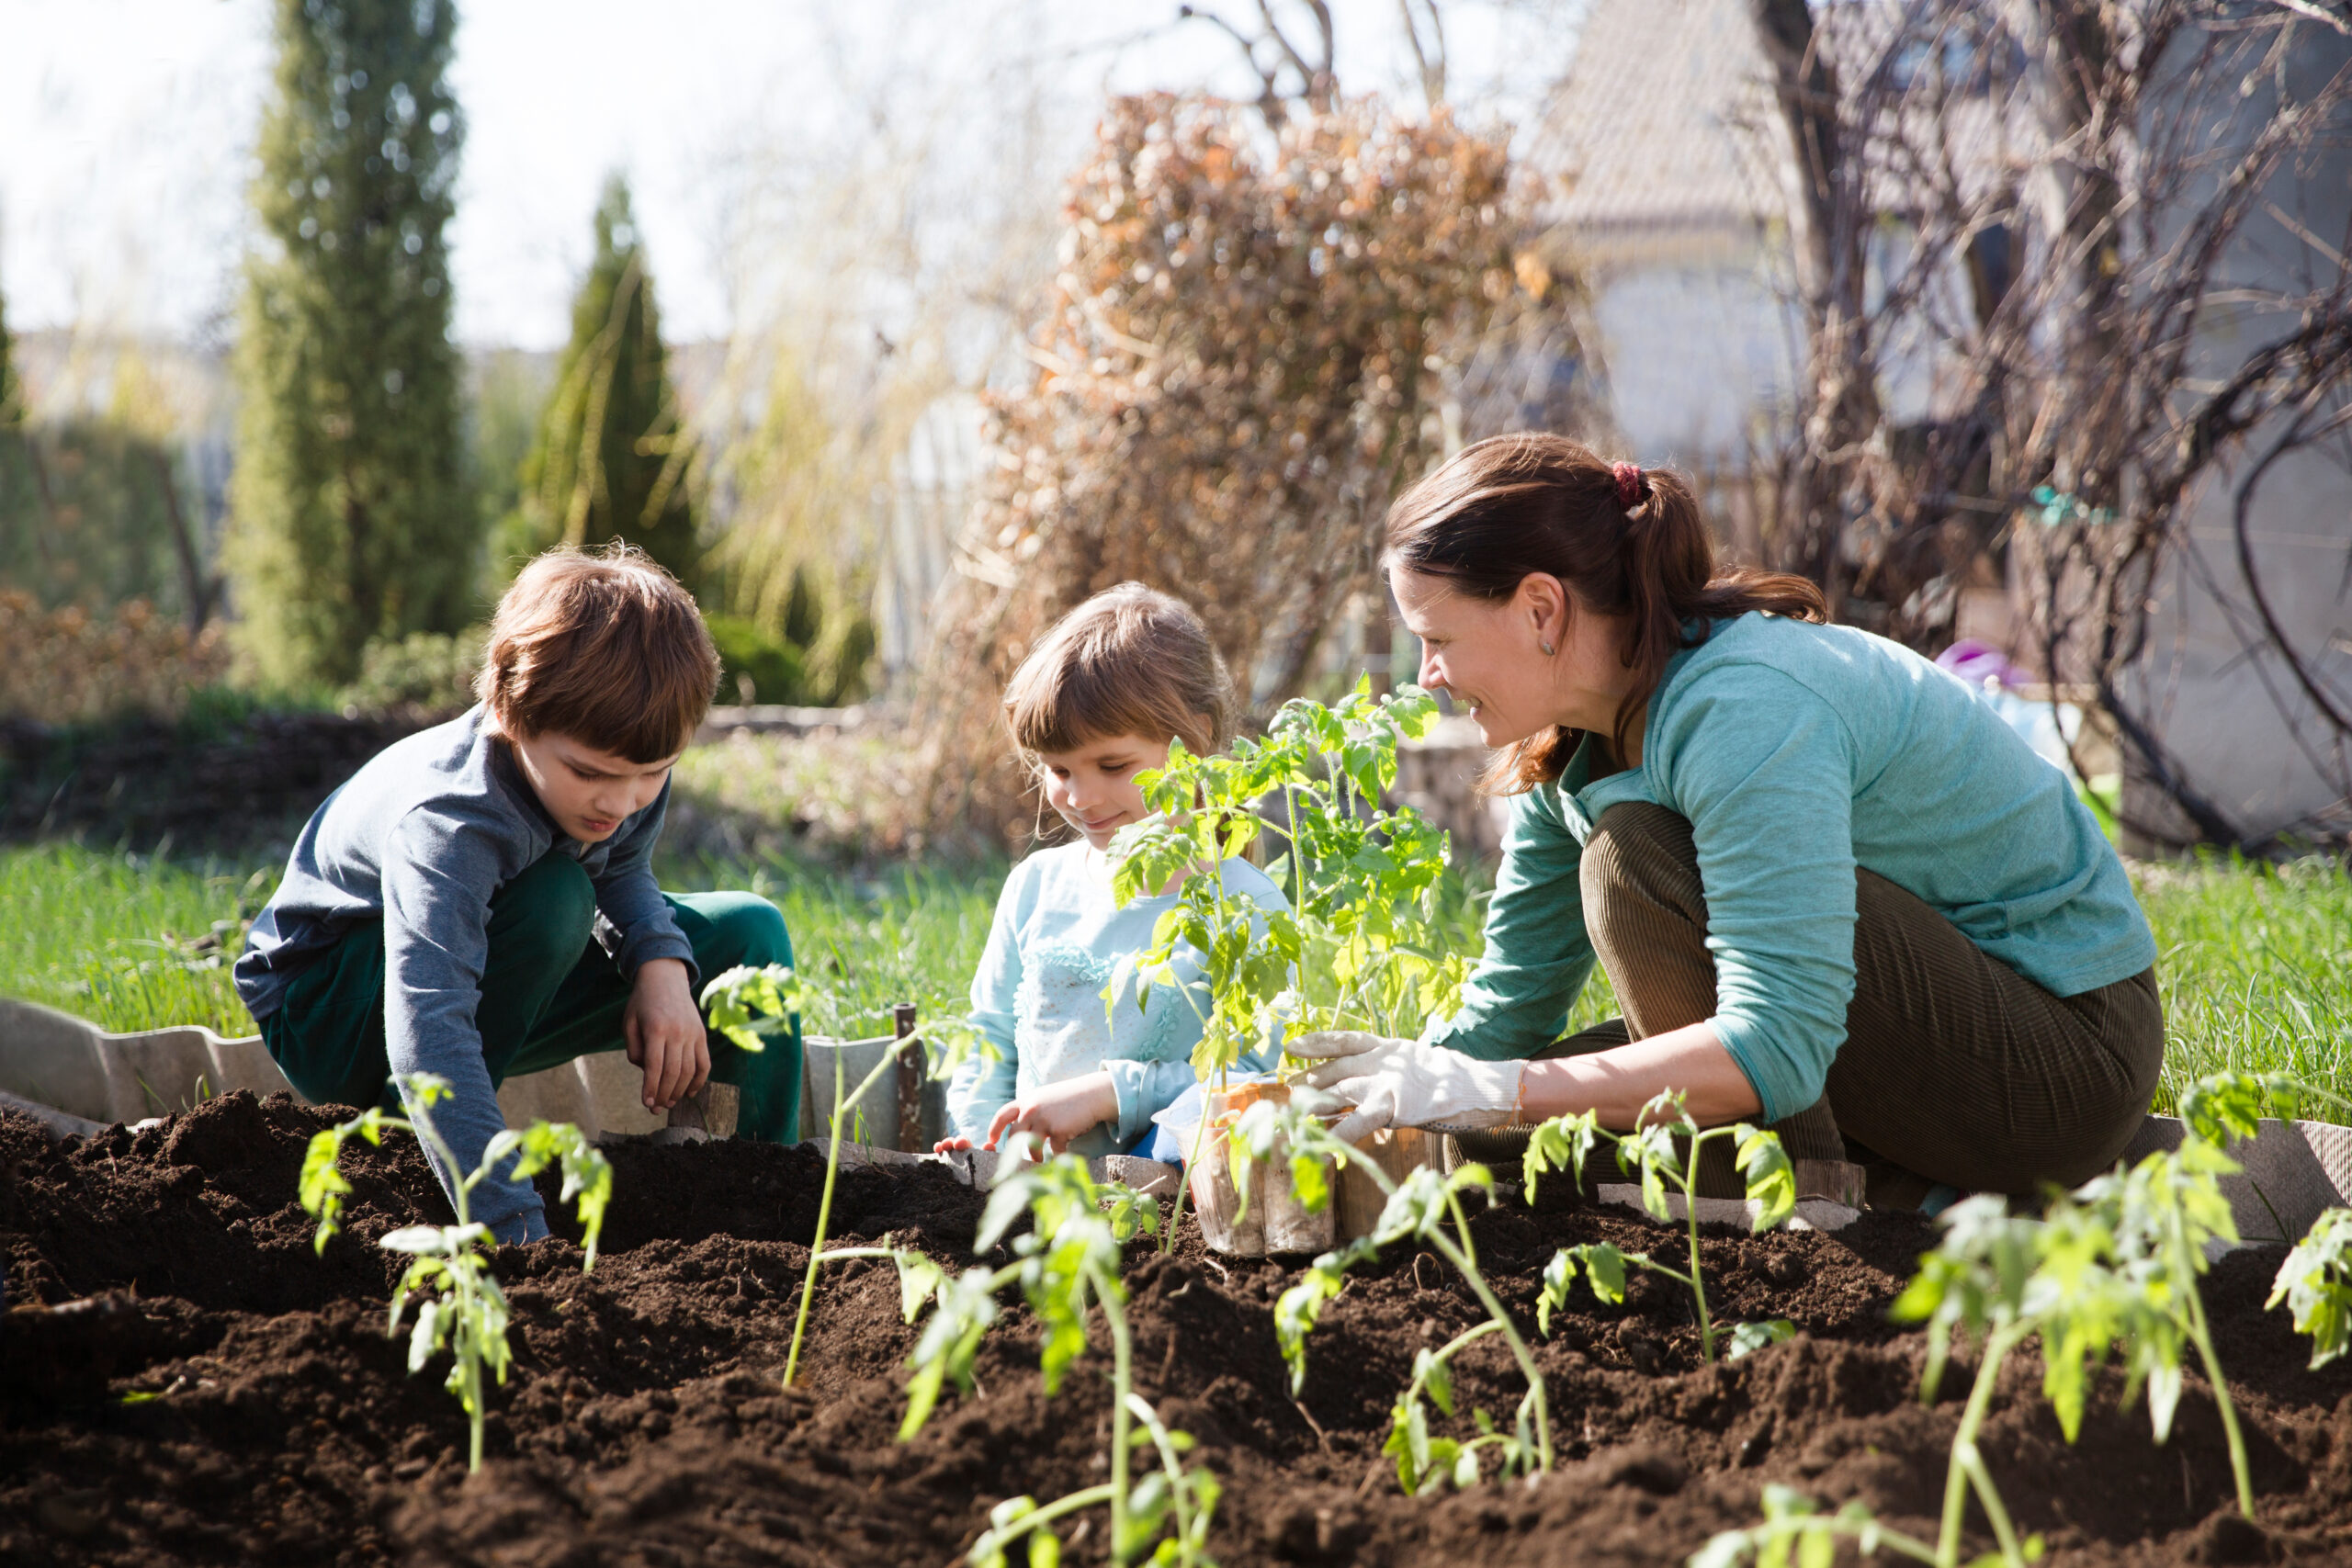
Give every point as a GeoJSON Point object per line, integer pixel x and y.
{"type": "Point", "coordinates": [1665, 123]}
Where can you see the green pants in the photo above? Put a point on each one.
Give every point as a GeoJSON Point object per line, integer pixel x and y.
{"type": "Point", "coordinates": [549, 995]}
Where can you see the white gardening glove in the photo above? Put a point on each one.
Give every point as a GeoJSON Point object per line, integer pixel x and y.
{"type": "Point", "coordinates": [1405, 1083]}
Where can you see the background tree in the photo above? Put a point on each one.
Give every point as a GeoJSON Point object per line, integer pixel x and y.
{"type": "Point", "coordinates": [12, 391]}
{"type": "Point", "coordinates": [612, 452]}
{"type": "Point", "coordinates": [1242, 357]}
{"type": "Point", "coordinates": [2116, 235]}
{"type": "Point", "coordinates": [351, 518]}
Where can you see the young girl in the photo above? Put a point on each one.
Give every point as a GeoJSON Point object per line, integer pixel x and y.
{"type": "Point", "coordinates": [1095, 704]}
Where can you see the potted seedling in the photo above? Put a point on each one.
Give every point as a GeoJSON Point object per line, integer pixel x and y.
{"type": "Point", "coordinates": [459, 1307]}
{"type": "Point", "coordinates": [1359, 945]}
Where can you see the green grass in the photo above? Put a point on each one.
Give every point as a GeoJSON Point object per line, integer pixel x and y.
{"type": "Point", "coordinates": [2256, 969]}
{"type": "Point", "coordinates": [111, 936]}
{"type": "Point", "coordinates": [2257, 964]}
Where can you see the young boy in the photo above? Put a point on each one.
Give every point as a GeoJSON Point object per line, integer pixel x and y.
{"type": "Point", "coordinates": [437, 913]}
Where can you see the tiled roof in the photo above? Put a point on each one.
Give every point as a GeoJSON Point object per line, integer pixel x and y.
{"type": "Point", "coordinates": [1666, 119]}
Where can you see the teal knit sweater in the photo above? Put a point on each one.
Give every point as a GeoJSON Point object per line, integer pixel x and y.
{"type": "Point", "coordinates": [1798, 752]}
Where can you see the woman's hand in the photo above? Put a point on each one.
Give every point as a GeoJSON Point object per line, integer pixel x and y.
{"type": "Point", "coordinates": [1059, 1112]}
{"type": "Point", "coordinates": [666, 1034]}
{"type": "Point", "coordinates": [1406, 1083]}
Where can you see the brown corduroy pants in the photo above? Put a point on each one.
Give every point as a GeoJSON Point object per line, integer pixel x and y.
{"type": "Point", "coordinates": [1955, 1068]}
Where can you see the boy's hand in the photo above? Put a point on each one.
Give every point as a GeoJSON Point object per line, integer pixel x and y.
{"type": "Point", "coordinates": [1059, 1112]}
{"type": "Point", "coordinates": [666, 1034]}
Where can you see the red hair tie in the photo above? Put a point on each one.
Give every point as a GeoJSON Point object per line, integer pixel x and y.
{"type": "Point", "coordinates": [1632, 488]}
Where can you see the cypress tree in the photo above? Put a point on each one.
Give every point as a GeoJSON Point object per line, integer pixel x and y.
{"type": "Point", "coordinates": [611, 456]}
{"type": "Point", "coordinates": [12, 392]}
{"type": "Point", "coordinates": [352, 519]}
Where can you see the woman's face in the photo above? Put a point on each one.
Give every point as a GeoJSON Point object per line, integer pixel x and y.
{"type": "Point", "coordinates": [1488, 653]}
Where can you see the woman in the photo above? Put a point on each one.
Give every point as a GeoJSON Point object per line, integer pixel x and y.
{"type": "Point", "coordinates": [1833, 890]}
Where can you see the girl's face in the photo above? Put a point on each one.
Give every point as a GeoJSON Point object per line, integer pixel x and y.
{"type": "Point", "coordinates": [1093, 787]}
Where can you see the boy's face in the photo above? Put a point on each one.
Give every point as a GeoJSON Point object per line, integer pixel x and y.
{"type": "Point", "coordinates": [589, 793]}
{"type": "Point", "coordinates": [1093, 787]}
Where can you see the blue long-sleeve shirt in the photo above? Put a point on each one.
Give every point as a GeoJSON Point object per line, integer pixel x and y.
{"type": "Point", "coordinates": [1798, 752]}
{"type": "Point", "coordinates": [1055, 943]}
{"type": "Point", "coordinates": [419, 839]}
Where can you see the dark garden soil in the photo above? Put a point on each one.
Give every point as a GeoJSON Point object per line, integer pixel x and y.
{"type": "Point", "coordinates": [644, 1422]}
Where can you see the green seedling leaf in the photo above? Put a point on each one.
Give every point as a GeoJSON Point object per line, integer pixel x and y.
{"type": "Point", "coordinates": [2224, 1106]}
{"type": "Point", "coordinates": [1771, 1177]}
{"type": "Point", "coordinates": [1602, 1264]}
{"type": "Point", "coordinates": [1749, 1337]}
{"type": "Point", "coordinates": [918, 1279]}
{"type": "Point", "coordinates": [1563, 1143]}
{"type": "Point", "coordinates": [746, 1004]}
{"type": "Point", "coordinates": [2315, 1281]}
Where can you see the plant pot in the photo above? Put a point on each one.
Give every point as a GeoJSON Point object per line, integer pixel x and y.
{"type": "Point", "coordinates": [1275, 1222]}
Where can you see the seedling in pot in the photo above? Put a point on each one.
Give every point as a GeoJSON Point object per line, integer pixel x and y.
{"type": "Point", "coordinates": [1417, 1209]}
{"type": "Point", "coordinates": [746, 1004]}
{"type": "Point", "coordinates": [1361, 945]}
{"type": "Point", "coordinates": [459, 1307]}
{"type": "Point", "coordinates": [1069, 1258]}
{"type": "Point", "coordinates": [1566, 1142]}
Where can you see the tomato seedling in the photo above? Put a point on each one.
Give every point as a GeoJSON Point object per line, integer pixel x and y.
{"type": "Point", "coordinates": [1069, 1258]}
{"type": "Point", "coordinates": [1566, 1142]}
{"type": "Point", "coordinates": [460, 1308]}
{"type": "Point", "coordinates": [1417, 1207]}
{"type": "Point", "coordinates": [745, 1004]}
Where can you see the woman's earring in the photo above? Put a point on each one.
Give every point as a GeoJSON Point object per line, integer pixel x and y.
{"type": "Point", "coordinates": [1547, 649]}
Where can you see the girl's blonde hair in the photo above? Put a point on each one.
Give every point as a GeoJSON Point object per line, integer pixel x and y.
{"type": "Point", "coordinates": [1131, 660]}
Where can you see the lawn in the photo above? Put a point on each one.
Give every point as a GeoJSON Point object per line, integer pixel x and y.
{"type": "Point", "coordinates": [2256, 968]}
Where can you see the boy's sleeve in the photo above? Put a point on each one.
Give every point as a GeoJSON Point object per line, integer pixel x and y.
{"type": "Point", "coordinates": [1536, 955]}
{"type": "Point", "coordinates": [438, 879]}
{"type": "Point", "coordinates": [981, 1087]}
{"type": "Point", "coordinates": [633, 921]}
{"type": "Point", "coordinates": [1770, 798]}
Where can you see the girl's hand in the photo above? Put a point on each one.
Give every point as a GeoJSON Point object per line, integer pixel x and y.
{"type": "Point", "coordinates": [951, 1146]}
{"type": "Point", "coordinates": [1059, 1112]}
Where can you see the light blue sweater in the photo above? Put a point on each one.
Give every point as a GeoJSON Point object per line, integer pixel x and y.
{"type": "Point", "coordinates": [1799, 752]}
{"type": "Point", "coordinates": [1055, 943]}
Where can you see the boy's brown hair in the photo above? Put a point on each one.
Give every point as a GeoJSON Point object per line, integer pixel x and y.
{"type": "Point", "coordinates": [602, 645]}
{"type": "Point", "coordinates": [1131, 660]}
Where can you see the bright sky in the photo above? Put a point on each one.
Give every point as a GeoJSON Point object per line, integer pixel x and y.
{"type": "Point", "coordinates": [126, 126]}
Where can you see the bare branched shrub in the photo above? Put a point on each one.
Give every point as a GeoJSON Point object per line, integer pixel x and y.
{"type": "Point", "coordinates": [1247, 348]}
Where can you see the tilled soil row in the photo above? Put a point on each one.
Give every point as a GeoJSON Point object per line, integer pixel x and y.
{"type": "Point", "coordinates": [644, 1422]}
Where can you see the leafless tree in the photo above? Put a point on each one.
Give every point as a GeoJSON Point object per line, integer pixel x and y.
{"type": "Point", "coordinates": [2045, 211]}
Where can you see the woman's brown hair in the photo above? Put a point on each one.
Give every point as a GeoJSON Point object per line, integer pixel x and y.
{"type": "Point", "coordinates": [1624, 540]}
{"type": "Point", "coordinates": [1131, 660]}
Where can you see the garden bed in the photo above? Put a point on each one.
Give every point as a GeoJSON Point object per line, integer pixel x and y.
{"type": "Point", "coordinates": [644, 1422]}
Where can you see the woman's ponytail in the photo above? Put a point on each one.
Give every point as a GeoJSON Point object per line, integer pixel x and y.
{"type": "Point", "coordinates": [1627, 541]}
